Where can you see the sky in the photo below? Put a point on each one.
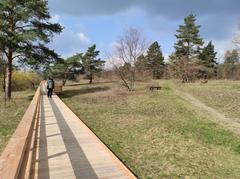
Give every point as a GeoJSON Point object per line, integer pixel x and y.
{"type": "Point", "coordinates": [102, 22]}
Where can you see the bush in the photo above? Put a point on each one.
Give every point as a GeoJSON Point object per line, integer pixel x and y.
{"type": "Point", "coordinates": [24, 80]}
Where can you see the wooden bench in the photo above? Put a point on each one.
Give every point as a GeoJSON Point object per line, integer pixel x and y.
{"type": "Point", "coordinates": [151, 88]}
{"type": "Point", "coordinates": [203, 81]}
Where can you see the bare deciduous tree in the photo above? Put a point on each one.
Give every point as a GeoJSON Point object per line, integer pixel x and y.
{"type": "Point", "coordinates": [128, 48]}
{"type": "Point", "coordinates": [236, 39]}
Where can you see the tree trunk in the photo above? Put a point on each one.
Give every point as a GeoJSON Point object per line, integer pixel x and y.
{"type": "Point", "coordinates": [8, 80]}
{"type": "Point", "coordinates": [90, 78]}
{"type": "Point", "coordinates": [64, 82]}
{"type": "Point", "coordinates": [125, 83]}
{"type": "Point", "coordinates": [153, 74]}
{"type": "Point", "coordinates": [65, 76]}
{"type": "Point", "coordinates": [131, 82]}
{"type": "Point", "coordinates": [4, 79]}
{"type": "Point", "coordinates": [33, 85]}
{"type": "Point", "coordinates": [185, 78]}
{"type": "Point", "coordinates": [132, 79]}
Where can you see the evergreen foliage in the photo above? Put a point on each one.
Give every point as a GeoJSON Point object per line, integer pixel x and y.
{"type": "Point", "coordinates": [208, 60]}
{"type": "Point", "coordinates": [65, 69]}
{"type": "Point", "coordinates": [155, 60]}
{"type": "Point", "coordinates": [189, 41]}
{"type": "Point", "coordinates": [187, 49]}
{"type": "Point", "coordinates": [24, 32]}
{"type": "Point", "coordinates": [91, 64]}
{"type": "Point", "coordinates": [140, 63]}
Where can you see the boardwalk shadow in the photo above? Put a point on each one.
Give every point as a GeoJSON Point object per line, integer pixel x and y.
{"type": "Point", "coordinates": [75, 92]}
{"type": "Point", "coordinates": [77, 84]}
{"type": "Point", "coordinates": [85, 84]}
{"type": "Point", "coordinates": [80, 164]}
{"type": "Point", "coordinates": [43, 153]}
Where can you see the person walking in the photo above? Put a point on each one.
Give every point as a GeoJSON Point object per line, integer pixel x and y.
{"type": "Point", "coordinates": [50, 87]}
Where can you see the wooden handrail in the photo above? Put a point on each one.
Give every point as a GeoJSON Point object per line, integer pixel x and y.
{"type": "Point", "coordinates": [13, 156]}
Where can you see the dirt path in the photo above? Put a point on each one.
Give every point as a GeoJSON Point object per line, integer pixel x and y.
{"type": "Point", "coordinates": [215, 115]}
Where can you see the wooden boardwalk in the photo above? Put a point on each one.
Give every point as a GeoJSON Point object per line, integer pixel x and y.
{"type": "Point", "coordinates": [66, 148]}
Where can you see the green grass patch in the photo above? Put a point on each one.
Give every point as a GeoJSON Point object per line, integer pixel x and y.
{"type": "Point", "coordinates": [11, 114]}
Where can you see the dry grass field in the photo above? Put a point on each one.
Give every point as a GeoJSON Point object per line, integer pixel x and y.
{"type": "Point", "coordinates": [224, 95]}
{"type": "Point", "coordinates": [158, 134]}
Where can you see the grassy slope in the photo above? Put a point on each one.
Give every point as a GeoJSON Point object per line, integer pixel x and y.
{"type": "Point", "coordinates": [220, 94]}
{"type": "Point", "coordinates": [11, 114]}
{"type": "Point", "coordinates": [156, 134]}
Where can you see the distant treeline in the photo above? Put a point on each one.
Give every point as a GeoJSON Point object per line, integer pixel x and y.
{"type": "Point", "coordinates": [193, 58]}
{"type": "Point", "coordinates": [133, 59]}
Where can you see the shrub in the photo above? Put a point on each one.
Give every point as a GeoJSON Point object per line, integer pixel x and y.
{"type": "Point", "coordinates": [25, 80]}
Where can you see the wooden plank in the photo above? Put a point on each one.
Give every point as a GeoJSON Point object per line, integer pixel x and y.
{"type": "Point", "coordinates": [52, 159]}
{"type": "Point", "coordinates": [68, 148]}
{"type": "Point", "coordinates": [91, 136]}
{"type": "Point", "coordinates": [29, 153]}
{"type": "Point", "coordinates": [12, 156]}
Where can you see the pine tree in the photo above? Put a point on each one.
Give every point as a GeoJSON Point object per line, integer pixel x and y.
{"type": "Point", "coordinates": [155, 60]}
{"type": "Point", "coordinates": [189, 41]}
{"type": "Point", "coordinates": [90, 64]}
{"type": "Point", "coordinates": [24, 31]}
{"type": "Point", "coordinates": [65, 68]}
{"type": "Point", "coordinates": [188, 47]}
{"type": "Point", "coordinates": [207, 59]}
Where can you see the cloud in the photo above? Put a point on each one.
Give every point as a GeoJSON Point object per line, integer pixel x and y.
{"type": "Point", "coordinates": [170, 9]}
{"type": "Point", "coordinates": [221, 46]}
{"type": "Point", "coordinates": [90, 7]}
{"type": "Point", "coordinates": [55, 18]}
{"type": "Point", "coordinates": [217, 17]}
{"type": "Point", "coordinates": [70, 42]}
{"type": "Point", "coordinates": [83, 38]}
{"type": "Point", "coordinates": [218, 20]}
{"type": "Point", "coordinates": [218, 26]}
